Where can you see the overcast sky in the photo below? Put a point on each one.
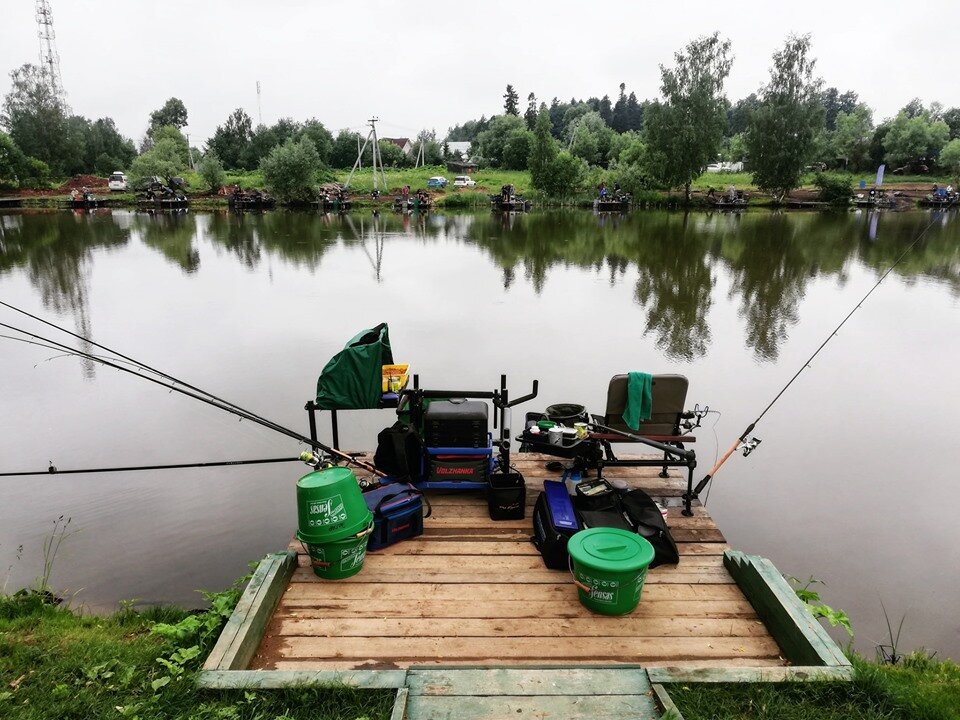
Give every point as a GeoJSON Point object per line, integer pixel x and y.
{"type": "Point", "coordinates": [434, 64]}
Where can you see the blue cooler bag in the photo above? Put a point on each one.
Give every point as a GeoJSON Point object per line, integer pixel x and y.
{"type": "Point", "coordinates": [397, 513]}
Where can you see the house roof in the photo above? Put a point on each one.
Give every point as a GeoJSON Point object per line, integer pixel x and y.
{"type": "Point", "coordinates": [399, 142]}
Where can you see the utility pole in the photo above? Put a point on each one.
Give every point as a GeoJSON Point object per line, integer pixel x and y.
{"type": "Point", "coordinates": [49, 58]}
{"type": "Point", "coordinates": [259, 109]}
{"type": "Point", "coordinates": [190, 153]}
{"type": "Point", "coordinates": [377, 160]}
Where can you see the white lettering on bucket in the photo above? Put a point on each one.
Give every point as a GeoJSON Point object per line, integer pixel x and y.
{"type": "Point", "coordinates": [330, 511]}
{"type": "Point", "coordinates": [352, 557]}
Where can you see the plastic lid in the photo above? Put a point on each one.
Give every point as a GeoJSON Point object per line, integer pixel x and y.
{"type": "Point", "coordinates": [610, 549]}
{"type": "Point", "coordinates": [327, 476]}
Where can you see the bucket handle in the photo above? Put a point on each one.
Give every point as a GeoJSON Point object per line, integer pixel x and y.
{"type": "Point", "coordinates": [586, 588]}
{"type": "Point", "coordinates": [320, 563]}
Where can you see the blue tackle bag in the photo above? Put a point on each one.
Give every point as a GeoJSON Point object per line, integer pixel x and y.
{"type": "Point", "coordinates": [397, 513]}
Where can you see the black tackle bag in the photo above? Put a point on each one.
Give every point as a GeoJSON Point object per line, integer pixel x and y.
{"type": "Point", "coordinates": [399, 452]}
{"type": "Point", "coordinates": [648, 522]}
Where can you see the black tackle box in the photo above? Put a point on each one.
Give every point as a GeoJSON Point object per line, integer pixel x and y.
{"type": "Point", "coordinates": [455, 424]}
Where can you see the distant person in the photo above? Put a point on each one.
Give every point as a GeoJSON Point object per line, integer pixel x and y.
{"type": "Point", "coordinates": [732, 193]}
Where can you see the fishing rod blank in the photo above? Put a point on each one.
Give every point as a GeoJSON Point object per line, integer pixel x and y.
{"type": "Point", "coordinates": [236, 410]}
{"type": "Point", "coordinates": [89, 471]}
{"type": "Point", "coordinates": [751, 444]}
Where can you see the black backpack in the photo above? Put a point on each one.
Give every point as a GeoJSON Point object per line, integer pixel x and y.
{"type": "Point", "coordinates": [399, 452]}
{"type": "Point", "coordinates": [648, 522]}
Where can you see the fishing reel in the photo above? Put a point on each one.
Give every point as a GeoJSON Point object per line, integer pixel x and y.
{"type": "Point", "coordinates": [749, 445]}
{"type": "Point", "coordinates": [316, 459]}
{"type": "Point", "coordinates": [693, 418]}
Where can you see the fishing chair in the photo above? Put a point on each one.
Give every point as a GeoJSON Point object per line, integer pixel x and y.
{"type": "Point", "coordinates": [665, 429]}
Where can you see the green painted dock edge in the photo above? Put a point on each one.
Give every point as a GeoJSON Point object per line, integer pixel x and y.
{"type": "Point", "coordinates": [814, 654]}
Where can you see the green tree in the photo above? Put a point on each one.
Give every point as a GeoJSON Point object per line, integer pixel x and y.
{"type": "Point", "coordinates": [516, 150]}
{"type": "Point", "coordinates": [212, 172]}
{"type": "Point", "coordinates": [950, 159]}
{"type": "Point", "coordinates": [531, 114]}
{"type": "Point", "coordinates": [36, 118]}
{"type": "Point", "coordinates": [631, 166]}
{"type": "Point", "coordinates": [851, 136]}
{"type": "Point", "coordinates": [320, 137]}
{"type": "Point", "coordinates": [343, 153]}
{"type": "Point", "coordinates": [543, 150]}
{"type": "Point", "coordinates": [171, 133]}
{"type": "Point", "coordinates": [790, 115]}
{"type": "Point", "coordinates": [590, 138]}
{"type": "Point", "coordinates": [105, 139]}
{"type": "Point", "coordinates": [393, 156]}
{"type": "Point", "coordinates": [164, 159]}
{"type": "Point", "coordinates": [565, 176]}
{"type": "Point", "coordinates": [490, 143]}
{"type": "Point", "coordinates": [510, 101]}
{"type": "Point", "coordinates": [952, 118]}
{"type": "Point", "coordinates": [290, 170]}
{"type": "Point", "coordinates": [264, 139]}
{"type": "Point", "coordinates": [230, 140]}
{"type": "Point", "coordinates": [683, 133]}
{"type": "Point", "coordinates": [173, 113]}
{"type": "Point", "coordinates": [739, 114]}
{"type": "Point", "coordinates": [914, 139]}
{"type": "Point", "coordinates": [835, 103]}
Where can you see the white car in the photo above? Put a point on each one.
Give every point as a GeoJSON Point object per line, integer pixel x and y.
{"type": "Point", "coordinates": [118, 182]}
{"type": "Point", "coordinates": [464, 181]}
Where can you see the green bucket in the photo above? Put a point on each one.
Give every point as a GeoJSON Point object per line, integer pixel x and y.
{"type": "Point", "coordinates": [339, 558]}
{"type": "Point", "coordinates": [329, 505]}
{"type": "Point", "coordinates": [609, 566]}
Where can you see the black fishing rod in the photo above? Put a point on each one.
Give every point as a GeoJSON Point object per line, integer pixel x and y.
{"type": "Point", "coordinates": [749, 445]}
{"type": "Point", "coordinates": [52, 470]}
{"type": "Point", "coordinates": [127, 358]}
{"type": "Point", "coordinates": [209, 400]}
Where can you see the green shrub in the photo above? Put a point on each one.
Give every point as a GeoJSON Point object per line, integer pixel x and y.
{"type": "Point", "coordinates": [290, 170]}
{"type": "Point", "coordinates": [162, 159]}
{"type": "Point", "coordinates": [834, 187]}
{"type": "Point", "coordinates": [212, 172]}
{"type": "Point", "coordinates": [466, 199]}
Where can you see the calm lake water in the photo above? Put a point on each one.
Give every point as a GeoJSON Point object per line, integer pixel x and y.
{"type": "Point", "coordinates": [855, 482]}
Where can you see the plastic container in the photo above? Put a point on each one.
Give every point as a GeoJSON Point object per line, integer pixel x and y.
{"type": "Point", "coordinates": [330, 505]}
{"type": "Point", "coordinates": [567, 414]}
{"type": "Point", "coordinates": [399, 372]}
{"type": "Point", "coordinates": [340, 558]}
{"type": "Point", "coordinates": [609, 566]}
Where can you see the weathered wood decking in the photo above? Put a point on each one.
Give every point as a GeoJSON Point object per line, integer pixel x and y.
{"type": "Point", "coordinates": [474, 592]}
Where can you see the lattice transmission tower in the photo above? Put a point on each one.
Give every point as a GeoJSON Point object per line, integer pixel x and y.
{"type": "Point", "coordinates": [49, 58]}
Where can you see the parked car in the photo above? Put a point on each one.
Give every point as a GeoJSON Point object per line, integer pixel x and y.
{"type": "Point", "coordinates": [464, 181]}
{"type": "Point", "coordinates": [731, 167]}
{"type": "Point", "coordinates": [437, 182]}
{"type": "Point", "coordinates": [117, 182]}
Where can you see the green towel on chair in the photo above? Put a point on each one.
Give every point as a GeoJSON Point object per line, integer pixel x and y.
{"type": "Point", "coordinates": [639, 399]}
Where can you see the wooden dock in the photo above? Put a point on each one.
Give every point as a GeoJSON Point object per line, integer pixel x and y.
{"type": "Point", "coordinates": [473, 593]}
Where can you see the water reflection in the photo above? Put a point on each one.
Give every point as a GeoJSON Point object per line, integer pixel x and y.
{"type": "Point", "coordinates": [56, 250]}
{"type": "Point", "coordinates": [672, 259]}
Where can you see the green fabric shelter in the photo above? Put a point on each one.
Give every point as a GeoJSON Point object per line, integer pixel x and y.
{"type": "Point", "coordinates": [352, 380]}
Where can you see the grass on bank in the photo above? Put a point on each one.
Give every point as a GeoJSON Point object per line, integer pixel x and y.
{"type": "Point", "coordinates": [56, 664]}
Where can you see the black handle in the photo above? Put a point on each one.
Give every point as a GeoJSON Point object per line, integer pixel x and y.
{"type": "Point", "coordinates": [525, 398]}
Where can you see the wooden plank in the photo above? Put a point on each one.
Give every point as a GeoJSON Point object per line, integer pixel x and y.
{"type": "Point", "coordinates": [566, 607]}
{"type": "Point", "coordinates": [560, 707]}
{"type": "Point", "coordinates": [529, 681]}
{"type": "Point", "coordinates": [506, 563]}
{"type": "Point", "coordinates": [274, 679]}
{"type": "Point", "coordinates": [589, 626]}
{"type": "Point", "coordinates": [803, 639]}
{"type": "Point", "coordinates": [400, 705]}
{"type": "Point", "coordinates": [240, 636]}
{"type": "Point", "coordinates": [307, 593]}
{"type": "Point", "coordinates": [680, 534]}
{"type": "Point", "coordinates": [466, 574]}
{"type": "Point", "coordinates": [635, 649]}
{"type": "Point", "coordinates": [442, 546]}
{"type": "Point", "coordinates": [321, 664]}
{"type": "Point", "coordinates": [667, 706]}
{"type": "Point", "coordinates": [796, 673]}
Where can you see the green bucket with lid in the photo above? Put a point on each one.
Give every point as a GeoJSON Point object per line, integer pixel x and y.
{"type": "Point", "coordinates": [609, 566]}
{"type": "Point", "coordinates": [340, 558]}
{"type": "Point", "coordinates": [330, 505]}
